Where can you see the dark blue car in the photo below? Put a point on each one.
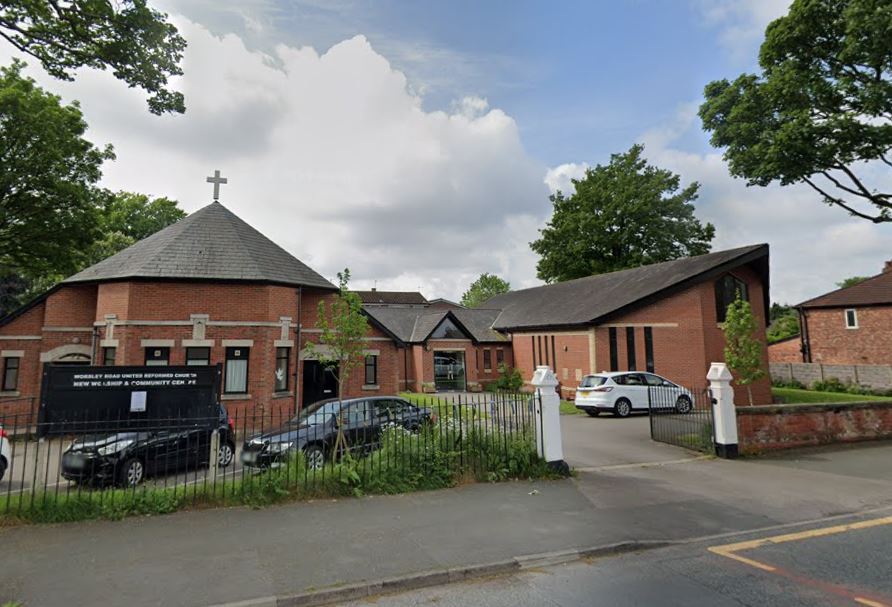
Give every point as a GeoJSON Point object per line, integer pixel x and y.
{"type": "Point", "coordinates": [314, 431]}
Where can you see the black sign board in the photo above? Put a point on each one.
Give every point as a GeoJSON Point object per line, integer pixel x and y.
{"type": "Point", "coordinates": [125, 397]}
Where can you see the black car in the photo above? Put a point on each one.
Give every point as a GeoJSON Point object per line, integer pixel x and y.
{"type": "Point", "coordinates": [126, 458]}
{"type": "Point", "coordinates": [314, 431]}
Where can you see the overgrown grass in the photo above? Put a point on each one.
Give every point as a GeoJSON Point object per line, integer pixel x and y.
{"type": "Point", "coordinates": [801, 396]}
{"type": "Point", "coordinates": [438, 456]}
{"type": "Point", "coordinates": [569, 408]}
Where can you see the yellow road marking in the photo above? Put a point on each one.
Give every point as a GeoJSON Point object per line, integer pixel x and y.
{"type": "Point", "coordinates": [868, 602]}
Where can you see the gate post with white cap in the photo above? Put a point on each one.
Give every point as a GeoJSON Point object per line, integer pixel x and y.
{"type": "Point", "coordinates": [724, 412]}
{"type": "Point", "coordinates": [548, 419]}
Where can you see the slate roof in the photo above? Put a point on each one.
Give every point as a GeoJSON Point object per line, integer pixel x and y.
{"type": "Point", "coordinates": [585, 301]}
{"type": "Point", "coordinates": [210, 244]}
{"type": "Point", "coordinates": [414, 325]}
{"type": "Point", "coordinates": [398, 298]}
{"type": "Point", "coordinates": [874, 291]}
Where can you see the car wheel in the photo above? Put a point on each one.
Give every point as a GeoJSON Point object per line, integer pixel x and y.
{"type": "Point", "coordinates": [683, 404]}
{"type": "Point", "coordinates": [315, 457]}
{"type": "Point", "coordinates": [131, 472]}
{"type": "Point", "coordinates": [2, 468]}
{"type": "Point", "coordinates": [225, 454]}
{"type": "Point", "coordinates": [622, 408]}
{"type": "Point", "coordinates": [592, 412]}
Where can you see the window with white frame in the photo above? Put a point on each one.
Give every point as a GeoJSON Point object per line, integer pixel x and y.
{"type": "Point", "coordinates": [851, 319]}
{"type": "Point", "coordinates": [10, 373]}
{"type": "Point", "coordinates": [236, 379]}
{"type": "Point", "coordinates": [283, 355]}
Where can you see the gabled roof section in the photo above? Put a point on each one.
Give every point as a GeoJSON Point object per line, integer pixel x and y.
{"type": "Point", "coordinates": [392, 298]}
{"type": "Point", "coordinates": [587, 300]}
{"type": "Point", "coordinates": [875, 291]}
{"type": "Point", "coordinates": [415, 325]}
{"type": "Point", "coordinates": [210, 244]}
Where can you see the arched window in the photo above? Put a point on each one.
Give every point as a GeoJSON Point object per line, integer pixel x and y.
{"type": "Point", "coordinates": [727, 289]}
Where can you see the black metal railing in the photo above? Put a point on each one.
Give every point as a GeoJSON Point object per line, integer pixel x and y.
{"type": "Point", "coordinates": [113, 465]}
{"type": "Point", "coordinates": [682, 417]}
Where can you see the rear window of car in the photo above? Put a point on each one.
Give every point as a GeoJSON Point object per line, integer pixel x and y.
{"type": "Point", "coordinates": [592, 381]}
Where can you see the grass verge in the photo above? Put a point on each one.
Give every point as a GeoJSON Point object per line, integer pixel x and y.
{"type": "Point", "coordinates": [796, 396]}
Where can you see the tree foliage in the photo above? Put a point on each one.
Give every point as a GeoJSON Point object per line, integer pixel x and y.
{"type": "Point", "coordinates": [134, 41]}
{"type": "Point", "coordinates": [743, 350]}
{"type": "Point", "coordinates": [482, 289]}
{"type": "Point", "coordinates": [783, 327]}
{"type": "Point", "coordinates": [342, 330]}
{"type": "Point", "coordinates": [820, 113]}
{"type": "Point", "coordinates": [48, 175]}
{"type": "Point", "coordinates": [622, 215]}
{"type": "Point", "coordinates": [851, 281]}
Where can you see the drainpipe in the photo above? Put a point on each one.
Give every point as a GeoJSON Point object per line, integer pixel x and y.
{"type": "Point", "coordinates": [297, 332]}
{"type": "Point", "coordinates": [93, 344]}
{"type": "Point", "coordinates": [806, 342]}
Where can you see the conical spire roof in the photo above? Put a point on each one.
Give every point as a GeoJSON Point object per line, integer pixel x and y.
{"type": "Point", "coordinates": [210, 244]}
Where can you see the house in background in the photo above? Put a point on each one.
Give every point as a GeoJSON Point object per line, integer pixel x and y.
{"type": "Point", "coordinates": [851, 326]}
{"type": "Point", "coordinates": [665, 318]}
{"type": "Point", "coordinates": [407, 299]}
{"type": "Point", "coordinates": [787, 350]}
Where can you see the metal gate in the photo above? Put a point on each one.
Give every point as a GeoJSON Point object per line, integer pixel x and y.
{"type": "Point", "coordinates": [682, 417]}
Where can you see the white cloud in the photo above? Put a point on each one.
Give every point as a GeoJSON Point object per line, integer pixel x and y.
{"type": "Point", "coordinates": [333, 157]}
{"type": "Point", "coordinates": [741, 23]}
{"type": "Point", "coordinates": [560, 178]}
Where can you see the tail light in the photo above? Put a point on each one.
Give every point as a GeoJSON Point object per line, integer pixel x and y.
{"type": "Point", "coordinates": [603, 389]}
{"type": "Point", "coordinates": [3, 433]}
{"type": "Point", "coordinates": [230, 424]}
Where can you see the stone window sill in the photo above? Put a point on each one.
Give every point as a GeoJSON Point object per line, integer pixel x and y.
{"type": "Point", "coordinates": [283, 395]}
{"type": "Point", "coordinates": [235, 397]}
{"type": "Point", "coordinates": [371, 387]}
{"type": "Point", "coordinates": [10, 393]}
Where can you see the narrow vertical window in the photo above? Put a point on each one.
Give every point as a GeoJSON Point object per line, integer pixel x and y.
{"type": "Point", "coordinates": [553, 354]}
{"type": "Point", "coordinates": [108, 356]}
{"type": "Point", "coordinates": [157, 357]}
{"type": "Point", "coordinates": [649, 348]}
{"type": "Point", "coordinates": [10, 373]}
{"type": "Point", "coordinates": [851, 319]}
{"type": "Point", "coordinates": [500, 357]}
{"type": "Point", "coordinates": [236, 380]}
{"type": "Point", "coordinates": [487, 360]}
{"type": "Point", "coordinates": [371, 370]}
{"type": "Point", "coordinates": [542, 360]}
{"type": "Point", "coordinates": [198, 357]}
{"type": "Point", "coordinates": [614, 353]}
{"type": "Point", "coordinates": [533, 344]}
{"type": "Point", "coordinates": [283, 358]}
{"type": "Point", "coordinates": [630, 348]}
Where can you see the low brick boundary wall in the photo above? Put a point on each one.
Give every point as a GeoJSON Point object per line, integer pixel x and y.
{"type": "Point", "coordinates": [878, 377]}
{"type": "Point", "coordinates": [771, 427]}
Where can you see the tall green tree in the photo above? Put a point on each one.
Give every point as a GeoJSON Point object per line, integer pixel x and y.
{"type": "Point", "coordinates": [743, 350]}
{"type": "Point", "coordinates": [820, 113]}
{"type": "Point", "coordinates": [622, 215]}
{"type": "Point", "coordinates": [48, 176]}
{"type": "Point", "coordinates": [485, 287]}
{"type": "Point", "coordinates": [851, 281]}
{"type": "Point", "coordinates": [342, 331]}
{"type": "Point", "coordinates": [134, 41]}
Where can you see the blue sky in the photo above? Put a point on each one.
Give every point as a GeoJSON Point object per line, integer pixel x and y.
{"type": "Point", "coordinates": [418, 142]}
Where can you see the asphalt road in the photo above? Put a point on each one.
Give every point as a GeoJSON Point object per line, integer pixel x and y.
{"type": "Point", "coordinates": [848, 566]}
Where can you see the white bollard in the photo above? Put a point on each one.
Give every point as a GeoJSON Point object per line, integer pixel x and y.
{"type": "Point", "coordinates": [548, 419]}
{"type": "Point", "coordinates": [214, 462]}
{"type": "Point", "coordinates": [724, 412]}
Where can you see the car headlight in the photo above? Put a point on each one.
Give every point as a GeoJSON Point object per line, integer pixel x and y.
{"type": "Point", "coordinates": [115, 447]}
{"type": "Point", "coordinates": [280, 447]}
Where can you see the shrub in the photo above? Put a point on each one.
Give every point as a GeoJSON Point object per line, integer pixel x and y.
{"type": "Point", "coordinates": [510, 379]}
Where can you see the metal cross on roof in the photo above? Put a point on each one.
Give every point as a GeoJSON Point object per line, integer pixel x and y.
{"type": "Point", "coordinates": [217, 180]}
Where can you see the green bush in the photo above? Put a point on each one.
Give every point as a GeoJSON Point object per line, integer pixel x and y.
{"type": "Point", "coordinates": [510, 379]}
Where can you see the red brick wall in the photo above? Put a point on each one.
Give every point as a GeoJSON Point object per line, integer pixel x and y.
{"type": "Point", "coordinates": [786, 351]}
{"type": "Point", "coordinates": [71, 306]}
{"type": "Point", "coordinates": [832, 343]}
{"type": "Point", "coordinates": [113, 298]}
{"type": "Point", "coordinates": [785, 427]}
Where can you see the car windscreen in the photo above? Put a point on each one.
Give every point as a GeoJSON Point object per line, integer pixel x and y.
{"type": "Point", "coordinates": [592, 381]}
{"type": "Point", "coordinates": [317, 415]}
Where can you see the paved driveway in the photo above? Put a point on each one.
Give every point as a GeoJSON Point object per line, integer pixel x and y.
{"type": "Point", "coordinates": [604, 441]}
